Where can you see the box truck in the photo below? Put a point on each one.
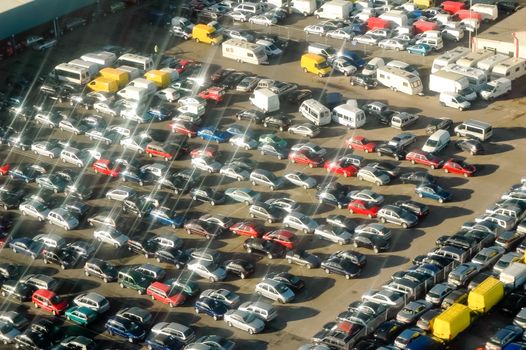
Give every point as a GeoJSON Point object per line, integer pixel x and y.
{"type": "Point", "coordinates": [243, 51]}
{"type": "Point", "coordinates": [443, 81]}
{"type": "Point", "coordinates": [489, 12]}
{"type": "Point", "coordinates": [486, 295]}
{"type": "Point", "coordinates": [159, 78]}
{"type": "Point", "coordinates": [334, 9]}
{"type": "Point", "coordinates": [120, 76]}
{"type": "Point", "coordinates": [304, 7]}
{"type": "Point", "coordinates": [452, 322]}
{"type": "Point", "coordinates": [399, 80]}
{"type": "Point", "coordinates": [265, 100]}
{"type": "Point", "coordinates": [397, 18]}
{"type": "Point", "coordinates": [448, 57]}
{"type": "Point", "coordinates": [514, 276]}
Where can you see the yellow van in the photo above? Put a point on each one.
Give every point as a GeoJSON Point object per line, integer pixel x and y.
{"type": "Point", "coordinates": [312, 63]}
{"type": "Point", "coordinates": [424, 4]}
{"type": "Point", "coordinates": [486, 295]}
{"type": "Point", "coordinates": [160, 78]}
{"type": "Point", "coordinates": [104, 84]}
{"type": "Point", "coordinates": [452, 322]}
{"type": "Point", "coordinates": [206, 34]}
{"type": "Point", "coordinates": [121, 77]}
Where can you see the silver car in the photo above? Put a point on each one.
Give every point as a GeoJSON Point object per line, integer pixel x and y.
{"type": "Point", "coordinates": [223, 295]}
{"type": "Point", "coordinates": [235, 172]}
{"type": "Point", "coordinates": [93, 301]}
{"type": "Point", "coordinates": [334, 234]}
{"type": "Point", "coordinates": [373, 175]}
{"type": "Point", "coordinates": [412, 311]}
{"type": "Point", "coordinates": [8, 332]}
{"type": "Point", "coordinates": [488, 256]}
{"type": "Point", "coordinates": [392, 44]}
{"type": "Point", "coordinates": [402, 140]}
{"type": "Point", "coordinates": [35, 209]}
{"type": "Point", "coordinates": [177, 330]}
{"type": "Point", "coordinates": [207, 269]}
{"type": "Point", "coordinates": [300, 222]}
{"type": "Point", "coordinates": [49, 149]}
{"type": "Point", "coordinates": [275, 291]}
{"type": "Point", "coordinates": [439, 292]}
{"type": "Point", "coordinates": [367, 196]}
{"type": "Point", "coordinates": [300, 179]}
{"type": "Point", "coordinates": [366, 39]}
{"type": "Point", "coordinates": [344, 33]}
{"type": "Point", "coordinates": [110, 235]}
{"type": "Point", "coordinates": [243, 141]}
{"type": "Point", "coordinates": [206, 164]}
{"type": "Point", "coordinates": [63, 218]}
{"type": "Point", "coordinates": [244, 320]}
{"type": "Point", "coordinates": [262, 309]}
{"type": "Point", "coordinates": [120, 193]}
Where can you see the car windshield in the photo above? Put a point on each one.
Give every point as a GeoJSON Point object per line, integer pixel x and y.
{"type": "Point", "coordinates": [281, 288]}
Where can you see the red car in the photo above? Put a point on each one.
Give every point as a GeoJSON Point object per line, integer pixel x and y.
{"type": "Point", "coordinates": [49, 301]}
{"type": "Point", "coordinates": [424, 158]}
{"type": "Point", "coordinates": [210, 151]}
{"type": "Point", "coordinates": [284, 237]}
{"type": "Point", "coordinates": [361, 143]}
{"type": "Point", "coordinates": [166, 151]}
{"type": "Point", "coordinates": [305, 157]}
{"type": "Point", "coordinates": [106, 167]}
{"type": "Point", "coordinates": [457, 166]}
{"type": "Point", "coordinates": [247, 228]}
{"type": "Point", "coordinates": [213, 93]}
{"type": "Point", "coordinates": [363, 208]}
{"type": "Point", "coordinates": [4, 168]}
{"type": "Point", "coordinates": [341, 167]}
{"type": "Point", "coordinates": [181, 66]}
{"type": "Point", "coordinates": [166, 294]}
{"type": "Point", "coordinates": [184, 127]}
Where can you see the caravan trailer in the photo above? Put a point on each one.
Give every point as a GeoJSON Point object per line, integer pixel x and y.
{"type": "Point", "coordinates": [512, 68]}
{"type": "Point", "coordinates": [448, 57]}
{"type": "Point", "coordinates": [471, 59]}
{"type": "Point", "coordinates": [93, 68]}
{"type": "Point", "coordinates": [487, 64]}
{"type": "Point", "coordinates": [102, 58]}
{"type": "Point", "coordinates": [243, 51]}
{"type": "Point", "coordinates": [399, 80]}
{"type": "Point", "coordinates": [476, 77]}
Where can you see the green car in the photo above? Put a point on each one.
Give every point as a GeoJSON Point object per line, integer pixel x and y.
{"type": "Point", "coordinates": [273, 139]}
{"type": "Point", "coordinates": [129, 278]}
{"type": "Point", "coordinates": [81, 315]}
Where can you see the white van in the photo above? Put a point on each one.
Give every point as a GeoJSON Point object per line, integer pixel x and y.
{"type": "Point", "coordinates": [495, 88]}
{"type": "Point", "coordinates": [399, 80]}
{"type": "Point", "coordinates": [371, 66]}
{"type": "Point", "coordinates": [402, 120]}
{"type": "Point", "coordinates": [480, 130]}
{"type": "Point", "coordinates": [335, 9]}
{"type": "Point", "coordinates": [512, 68]}
{"type": "Point", "coordinates": [314, 111]}
{"type": "Point", "coordinates": [454, 100]}
{"type": "Point", "coordinates": [437, 141]}
{"type": "Point", "coordinates": [398, 18]}
{"type": "Point", "coordinates": [348, 115]}
{"type": "Point", "coordinates": [243, 51]}
{"type": "Point", "coordinates": [265, 100]}
{"type": "Point", "coordinates": [304, 7]}
{"type": "Point", "coordinates": [321, 49]}
{"type": "Point", "coordinates": [133, 72]}
{"type": "Point", "coordinates": [93, 68]}
{"type": "Point", "coordinates": [249, 7]}
{"type": "Point", "coordinates": [489, 12]}
{"type": "Point", "coordinates": [134, 93]}
{"type": "Point", "coordinates": [143, 83]}
{"type": "Point", "coordinates": [435, 43]}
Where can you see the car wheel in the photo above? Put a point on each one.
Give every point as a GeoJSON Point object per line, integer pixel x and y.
{"type": "Point", "coordinates": [105, 280]}
{"type": "Point", "coordinates": [196, 310]}
{"type": "Point", "coordinates": [269, 256]}
{"type": "Point", "coordinates": [269, 221]}
{"type": "Point", "coordinates": [446, 171]}
{"type": "Point", "coordinates": [327, 271]}
{"type": "Point", "coordinates": [440, 200]}
{"type": "Point", "coordinates": [432, 167]}
{"type": "Point", "coordinates": [376, 250]}
{"type": "Point", "coordinates": [130, 339]}
{"type": "Point", "coordinates": [382, 220]}
{"type": "Point", "coordinates": [360, 178]}
{"type": "Point", "coordinates": [272, 188]}
{"type": "Point", "coordinates": [139, 292]}
{"type": "Point", "coordinates": [378, 183]}
{"type": "Point", "coordinates": [215, 317]}
{"type": "Point", "coordinates": [404, 225]}
{"type": "Point", "coordinates": [212, 203]}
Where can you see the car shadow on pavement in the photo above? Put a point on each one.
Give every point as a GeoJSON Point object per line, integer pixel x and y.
{"type": "Point", "coordinates": [485, 169]}
{"type": "Point", "coordinates": [316, 286]}
{"type": "Point", "coordinates": [76, 286]}
{"type": "Point", "coordinates": [331, 132]}
{"type": "Point", "coordinates": [508, 134]}
{"type": "Point", "coordinates": [251, 343]}
{"type": "Point", "coordinates": [451, 212]}
{"type": "Point", "coordinates": [44, 270]}
{"type": "Point", "coordinates": [452, 181]}
{"type": "Point", "coordinates": [460, 195]}
{"type": "Point", "coordinates": [289, 313]}
{"type": "Point", "coordinates": [496, 148]}
{"type": "Point", "coordinates": [377, 262]}
{"type": "Point", "coordinates": [402, 240]}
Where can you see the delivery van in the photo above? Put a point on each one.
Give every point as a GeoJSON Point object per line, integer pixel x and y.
{"type": "Point", "coordinates": [315, 112]}
{"type": "Point", "coordinates": [495, 88]}
{"type": "Point", "coordinates": [243, 51]}
{"type": "Point", "coordinates": [206, 34]}
{"type": "Point", "coordinates": [486, 295]}
{"type": "Point", "coordinates": [134, 93]}
{"type": "Point", "coordinates": [323, 50]}
{"type": "Point", "coordinates": [514, 276]}
{"type": "Point", "coordinates": [120, 76]}
{"type": "Point", "coordinates": [399, 80]}
{"type": "Point", "coordinates": [265, 100]}
{"type": "Point", "coordinates": [474, 128]}
{"type": "Point", "coordinates": [150, 86]}
{"type": "Point", "coordinates": [159, 78]}
{"type": "Point", "coordinates": [371, 66]}
{"type": "Point", "coordinates": [334, 9]}
{"type": "Point", "coordinates": [489, 12]}
{"type": "Point", "coordinates": [512, 68]}
{"type": "Point", "coordinates": [452, 322]}
{"type": "Point", "coordinates": [454, 100]}
{"type": "Point", "coordinates": [348, 115]}
{"type": "Point", "coordinates": [104, 85]}
{"type": "Point", "coordinates": [304, 7]}
{"type": "Point", "coordinates": [93, 68]}
{"type": "Point", "coordinates": [317, 64]}
{"type": "Point", "coordinates": [437, 141]}
{"type": "Point", "coordinates": [133, 72]}
{"type": "Point", "coordinates": [172, 72]}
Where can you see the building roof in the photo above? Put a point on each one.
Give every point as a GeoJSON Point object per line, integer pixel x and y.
{"type": "Point", "coordinates": [18, 16]}
{"type": "Point", "coordinates": [502, 31]}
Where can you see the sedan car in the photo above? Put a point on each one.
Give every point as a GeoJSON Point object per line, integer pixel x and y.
{"type": "Point", "coordinates": [206, 164]}
{"type": "Point", "coordinates": [417, 177]}
{"type": "Point", "coordinates": [49, 149]}
{"type": "Point", "coordinates": [273, 150]}
{"type": "Point", "coordinates": [457, 166]}
{"type": "Point", "coordinates": [392, 44]}
{"type": "Point", "coordinates": [366, 195]}
{"type": "Point", "coordinates": [488, 256]}
{"type": "Point", "coordinates": [344, 33]}
{"type": "Point", "coordinates": [473, 146]}
{"type": "Point", "coordinates": [264, 20]}
{"type": "Point", "coordinates": [397, 215]}
{"type": "Point", "coordinates": [207, 269]}
{"type": "Point", "coordinates": [247, 228]}
{"type": "Point", "coordinates": [412, 311]}
{"type": "Point", "coordinates": [304, 130]}
{"type": "Point", "coordinates": [213, 134]}
{"type": "Point", "coordinates": [305, 157]}
{"type": "Point", "coordinates": [283, 237]}
{"type": "Point", "coordinates": [341, 266]}
{"type": "Point", "coordinates": [269, 248]}
{"type": "Point", "coordinates": [433, 191]}
{"type": "Point", "coordinates": [334, 234]}
{"type": "Point", "coordinates": [424, 158]}
{"type": "Point", "coordinates": [366, 39]}
{"type": "Point", "coordinates": [239, 267]}
{"type": "Point", "coordinates": [419, 49]}
{"type": "Point", "coordinates": [504, 336]}
{"type": "Point", "coordinates": [212, 307]}
{"type": "Point", "coordinates": [363, 208]}
{"type": "Point", "coordinates": [373, 175]}
{"type": "Point", "coordinates": [225, 296]}
{"type": "Point", "coordinates": [300, 179]}
{"type": "Point", "coordinates": [303, 258]}
{"type": "Point", "coordinates": [390, 151]}
{"type": "Point", "coordinates": [207, 229]}
{"type": "Point", "coordinates": [342, 166]}
{"type": "Point", "coordinates": [360, 143]}
{"type": "Point", "coordinates": [243, 195]}
{"type": "Point", "coordinates": [274, 290]}
{"type": "Point", "coordinates": [402, 140]}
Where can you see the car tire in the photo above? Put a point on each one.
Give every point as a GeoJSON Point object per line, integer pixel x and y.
{"type": "Point", "coordinates": [269, 256]}
{"type": "Point", "coordinates": [252, 216]}
{"type": "Point", "coordinates": [440, 200]}
{"type": "Point", "coordinates": [215, 317]}
{"type": "Point", "coordinates": [376, 250]}
{"type": "Point", "coordinates": [36, 305]}
{"type": "Point", "coordinates": [327, 271]}
{"type": "Point", "coordinates": [446, 171]}
{"type": "Point", "coordinates": [378, 183]}
{"type": "Point", "coordinates": [242, 275]}
{"type": "Point", "coordinates": [360, 178]}
{"type": "Point", "coordinates": [432, 167]}
{"type": "Point", "coordinates": [404, 225]}
{"type": "Point", "coordinates": [382, 220]}
{"type": "Point", "coordinates": [348, 277]}
{"type": "Point", "coordinates": [269, 221]}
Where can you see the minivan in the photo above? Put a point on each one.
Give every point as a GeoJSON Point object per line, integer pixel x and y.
{"type": "Point", "coordinates": [321, 49]}
{"type": "Point", "coordinates": [261, 309]}
{"type": "Point", "coordinates": [401, 120]}
{"type": "Point", "coordinates": [315, 112]}
{"type": "Point", "coordinates": [74, 156]}
{"type": "Point", "coordinates": [437, 141]}
{"type": "Point", "coordinates": [265, 177]}
{"type": "Point", "coordinates": [249, 7]}
{"type": "Point", "coordinates": [480, 130]}
{"type": "Point", "coordinates": [454, 100]}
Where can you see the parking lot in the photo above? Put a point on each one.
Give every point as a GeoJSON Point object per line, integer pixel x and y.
{"type": "Point", "coordinates": [325, 295]}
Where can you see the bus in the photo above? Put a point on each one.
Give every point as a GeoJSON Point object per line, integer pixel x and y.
{"type": "Point", "coordinates": [72, 74]}
{"type": "Point", "coordinates": [143, 63]}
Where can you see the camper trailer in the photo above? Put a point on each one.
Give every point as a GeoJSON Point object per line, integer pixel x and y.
{"type": "Point", "coordinates": [476, 77]}
{"type": "Point", "coordinates": [448, 57]}
{"type": "Point", "coordinates": [243, 51]}
{"type": "Point", "coordinates": [487, 64]}
{"type": "Point", "coordinates": [102, 58]}
{"type": "Point", "coordinates": [471, 59]}
{"type": "Point", "coordinates": [512, 68]}
{"type": "Point", "coordinates": [399, 80]}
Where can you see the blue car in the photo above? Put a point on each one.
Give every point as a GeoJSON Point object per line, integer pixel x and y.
{"type": "Point", "coordinates": [123, 327]}
{"type": "Point", "coordinates": [134, 174]}
{"type": "Point", "coordinates": [211, 307]}
{"type": "Point", "coordinates": [433, 191]}
{"type": "Point", "coordinates": [419, 49]}
{"type": "Point", "coordinates": [165, 216]}
{"type": "Point", "coordinates": [273, 150]}
{"type": "Point", "coordinates": [213, 134]}
{"type": "Point", "coordinates": [160, 113]}
{"type": "Point", "coordinates": [353, 58]}
{"type": "Point", "coordinates": [24, 172]}
{"type": "Point", "coordinates": [26, 246]}
{"type": "Point", "coordinates": [160, 341]}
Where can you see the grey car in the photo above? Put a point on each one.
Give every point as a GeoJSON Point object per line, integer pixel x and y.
{"type": "Point", "coordinates": [412, 311]}
{"type": "Point", "coordinates": [243, 195]}
{"type": "Point", "coordinates": [177, 330]}
{"type": "Point", "coordinates": [376, 176]}
{"type": "Point", "coordinates": [333, 234]}
{"type": "Point", "coordinates": [397, 215]}
{"type": "Point", "coordinates": [300, 179]}
{"type": "Point", "coordinates": [300, 221]}
{"type": "Point", "coordinates": [367, 196]}
{"type": "Point", "coordinates": [439, 292]}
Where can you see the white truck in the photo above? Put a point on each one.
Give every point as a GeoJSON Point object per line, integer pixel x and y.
{"type": "Point", "coordinates": [514, 276]}
{"type": "Point", "coordinates": [334, 9]}
{"type": "Point", "coordinates": [398, 18]}
{"type": "Point", "coordinates": [265, 100]}
{"type": "Point", "coordinates": [495, 88]}
{"type": "Point", "coordinates": [243, 51]}
{"type": "Point", "coordinates": [443, 81]}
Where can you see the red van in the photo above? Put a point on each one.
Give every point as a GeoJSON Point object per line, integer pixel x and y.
{"type": "Point", "coordinates": [466, 14]}
{"type": "Point", "coordinates": [452, 7]}
{"type": "Point", "coordinates": [378, 23]}
{"type": "Point", "coordinates": [49, 301]}
{"type": "Point", "coordinates": [423, 26]}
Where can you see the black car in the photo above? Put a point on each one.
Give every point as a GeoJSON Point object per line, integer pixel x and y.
{"type": "Point", "coordinates": [251, 114]}
{"type": "Point", "coordinates": [30, 340]}
{"type": "Point", "coordinates": [366, 81]}
{"type": "Point", "coordinates": [140, 206]}
{"type": "Point", "coordinates": [388, 331]}
{"type": "Point", "coordinates": [220, 74]}
{"type": "Point", "coordinates": [173, 256]}
{"type": "Point", "coordinates": [231, 81]}
{"type": "Point", "coordinates": [65, 257]}
{"type": "Point", "coordinates": [101, 269]}
{"type": "Point", "coordinates": [513, 302]}
{"type": "Point", "coordinates": [134, 174]}
{"type": "Point", "coordinates": [239, 267]}
{"type": "Point", "coordinates": [356, 258]}
{"type": "Point", "coordinates": [178, 183]}
{"type": "Point", "coordinates": [21, 141]}
{"type": "Point", "coordinates": [15, 289]}
{"type": "Point", "coordinates": [77, 208]}
{"type": "Point", "coordinates": [333, 197]}
{"type": "Point", "coordinates": [419, 209]}
{"type": "Point", "coordinates": [145, 246]}
{"type": "Point", "coordinates": [391, 169]}
{"type": "Point", "coordinates": [471, 145]}
{"type": "Point", "coordinates": [507, 7]}
{"type": "Point", "coordinates": [341, 221]}
{"type": "Point", "coordinates": [296, 97]}
{"type": "Point", "coordinates": [8, 270]}
{"type": "Point", "coordinates": [391, 151]}
{"type": "Point", "coordinates": [295, 283]}
{"type": "Point", "coordinates": [9, 200]}
{"type": "Point", "coordinates": [341, 266]}
{"type": "Point", "coordinates": [280, 121]}
{"type": "Point", "coordinates": [302, 257]}
{"type": "Point", "coordinates": [207, 194]}
{"type": "Point", "coordinates": [269, 248]}
{"type": "Point", "coordinates": [439, 124]}
{"type": "Point", "coordinates": [380, 111]}
{"type": "Point", "coordinates": [417, 177]}
{"type": "Point", "coordinates": [371, 241]}
{"type": "Point", "coordinates": [52, 182]}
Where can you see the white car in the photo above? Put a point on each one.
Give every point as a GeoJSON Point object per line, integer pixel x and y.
{"type": "Point", "coordinates": [223, 295]}
{"type": "Point", "coordinates": [244, 320]}
{"type": "Point", "coordinates": [136, 143]}
{"type": "Point", "coordinates": [63, 218]}
{"type": "Point", "coordinates": [207, 269]}
{"type": "Point", "coordinates": [262, 309]}
{"type": "Point", "coordinates": [300, 222]}
{"type": "Point", "coordinates": [300, 179]}
{"type": "Point", "coordinates": [366, 39]}
{"type": "Point", "coordinates": [275, 290]}
{"type": "Point", "coordinates": [49, 149]}
{"type": "Point", "coordinates": [387, 297]}
{"type": "Point", "coordinates": [376, 176]}
{"type": "Point", "coordinates": [234, 172]}
{"type": "Point", "coordinates": [168, 94]}
{"type": "Point", "coordinates": [34, 209]}
{"type": "Point", "coordinates": [270, 48]}
{"type": "Point", "coordinates": [239, 16]}
{"type": "Point", "coordinates": [316, 29]}
{"type": "Point", "coordinates": [392, 44]}
{"type": "Point", "coordinates": [206, 164]}
{"type": "Point", "coordinates": [263, 20]}
{"type": "Point", "coordinates": [93, 301]}
{"type": "Point", "coordinates": [243, 141]}
{"type": "Point", "coordinates": [310, 147]}
{"type": "Point", "coordinates": [344, 33]}
{"type": "Point", "coordinates": [111, 236]}
{"type": "Point", "coordinates": [343, 66]}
